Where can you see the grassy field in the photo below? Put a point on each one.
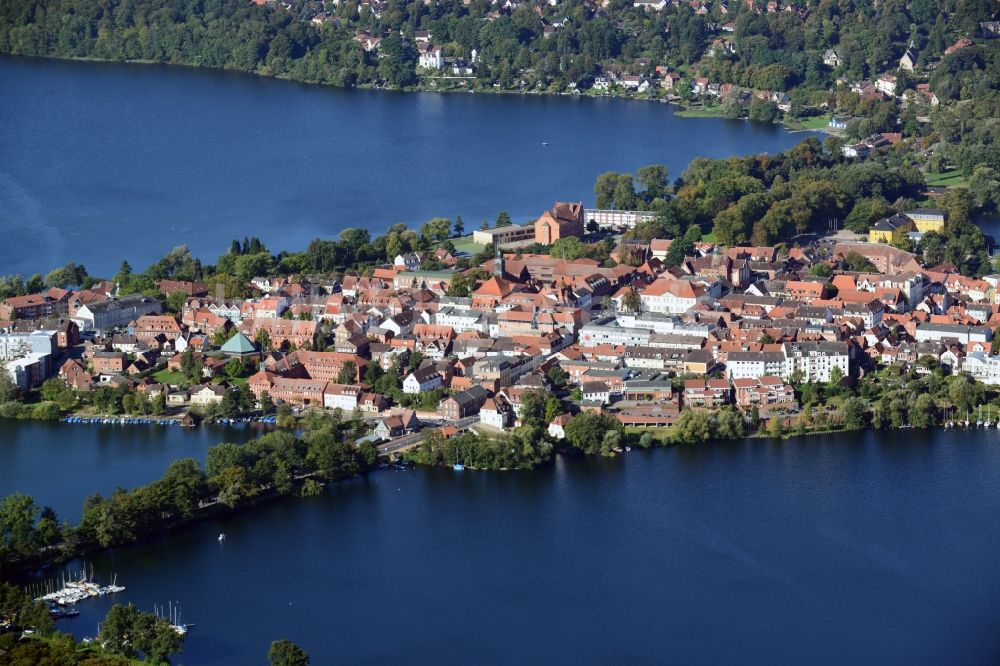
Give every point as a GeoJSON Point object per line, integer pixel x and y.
{"type": "Point", "coordinates": [465, 244]}
{"type": "Point", "coordinates": [168, 377]}
{"type": "Point", "coordinates": [815, 122]}
{"type": "Point", "coordinates": [701, 112]}
{"type": "Point", "coordinates": [951, 178]}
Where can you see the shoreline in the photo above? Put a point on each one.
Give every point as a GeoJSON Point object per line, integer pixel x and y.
{"type": "Point", "coordinates": [22, 571]}
{"type": "Point", "coordinates": [681, 111]}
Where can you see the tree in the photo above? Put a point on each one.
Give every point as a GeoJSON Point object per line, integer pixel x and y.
{"type": "Point", "coordinates": [348, 373]}
{"type": "Point", "coordinates": [8, 389]}
{"type": "Point", "coordinates": [821, 270]}
{"type": "Point", "coordinates": [858, 263]}
{"type": "Point", "coordinates": [655, 181]}
{"type": "Point", "coordinates": [503, 219]}
{"type": "Point", "coordinates": [459, 226]}
{"type": "Point", "coordinates": [128, 632]}
{"type": "Point", "coordinates": [287, 653]}
{"type": "Point", "coordinates": [586, 431]}
{"type": "Point", "coordinates": [855, 412]}
{"type": "Point", "coordinates": [631, 302]}
{"type": "Point", "coordinates": [263, 340]}
{"type": "Point", "coordinates": [437, 229]}
{"type": "Point", "coordinates": [553, 408]}
{"type": "Point", "coordinates": [694, 426]}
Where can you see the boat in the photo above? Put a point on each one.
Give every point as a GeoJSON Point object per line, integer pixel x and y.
{"type": "Point", "coordinates": [458, 467]}
{"type": "Point", "coordinates": [222, 536]}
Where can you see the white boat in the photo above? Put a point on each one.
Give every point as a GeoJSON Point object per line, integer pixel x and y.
{"type": "Point", "coordinates": [222, 537]}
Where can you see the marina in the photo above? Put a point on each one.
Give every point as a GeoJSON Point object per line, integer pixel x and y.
{"type": "Point", "coordinates": [65, 593]}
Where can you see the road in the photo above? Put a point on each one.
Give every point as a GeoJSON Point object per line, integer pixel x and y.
{"type": "Point", "coordinates": [412, 439]}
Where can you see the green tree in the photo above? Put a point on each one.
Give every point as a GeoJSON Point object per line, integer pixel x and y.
{"type": "Point", "coordinates": [287, 653]}
{"type": "Point", "coordinates": [631, 302]}
{"type": "Point", "coordinates": [586, 431]}
{"type": "Point", "coordinates": [855, 412]}
{"type": "Point", "coordinates": [348, 373]}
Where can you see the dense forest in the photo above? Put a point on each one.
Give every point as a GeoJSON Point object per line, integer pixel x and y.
{"type": "Point", "coordinates": [315, 41]}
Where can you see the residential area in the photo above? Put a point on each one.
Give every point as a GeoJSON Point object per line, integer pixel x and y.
{"type": "Point", "coordinates": [636, 340]}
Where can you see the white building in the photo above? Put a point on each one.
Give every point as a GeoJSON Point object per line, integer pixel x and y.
{"type": "Point", "coordinates": [673, 296]}
{"type": "Point", "coordinates": [617, 219]}
{"type": "Point", "coordinates": [462, 319]}
{"type": "Point", "coordinates": [813, 361]}
{"type": "Point", "coordinates": [432, 58]}
{"type": "Point", "coordinates": [496, 413]}
{"type": "Point", "coordinates": [422, 380]}
{"type": "Point", "coordinates": [115, 312]}
{"type": "Point", "coordinates": [963, 334]}
{"type": "Point", "coordinates": [593, 335]}
{"type": "Point", "coordinates": [983, 367]}
{"type": "Point", "coordinates": [341, 396]}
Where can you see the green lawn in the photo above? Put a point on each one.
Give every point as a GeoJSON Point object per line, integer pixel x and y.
{"type": "Point", "coordinates": [701, 112]}
{"type": "Point", "coordinates": [168, 377]}
{"type": "Point", "coordinates": [951, 178]}
{"type": "Point", "coordinates": [465, 244]}
{"type": "Point", "coordinates": [815, 122]}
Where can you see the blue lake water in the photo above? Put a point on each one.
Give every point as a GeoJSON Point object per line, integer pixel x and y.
{"type": "Point", "coordinates": [874, 548]}
{"type": "Point", "coordinates": [100, 162]}
{"type": "Point", "coordinates": [60, 464]}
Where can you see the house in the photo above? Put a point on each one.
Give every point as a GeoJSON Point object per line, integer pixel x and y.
{"type": "Point", "coordinates": [767, 390]}
{"type": "Point", "coordinates": [560, 221]}
{"type": "Point", "coordinates": [431, 57]}
{"type": "Point", "coordinates": [706, 393]}
{"type": "Point", "coordinates": [886, 84]}
{"type": "Point", "coordinates": [908, 60]}
{"type": "Point", "coordinates": [671, 295]}
{"type": "Point", "coordinates": [53, 303]}
{"type": "Point", "coordinates": [396, 425]}
{"type": "Point", "coordinates": [464, 403]}
{"type": "Point", "coordinates": [108, 363]}
{"type": "Point", "coordinates": [597, 392]}
{"type": "Point", "coordinates": [208, 394]}
{"type": "Point", "coordinates": [557, 428]}
{"type": "Point", "coordinates": [421, 380]}
{"type": "Point", "coordinates": [858, 150]}
{"type": "Point", "coordinates": [928, 219]}
{"type": "Point", "coordinates": [341, 396]}
{"type": "Point", "coordinates": [496, 412]}
{"type": "Point", "coordinates": [831, 58]}
{"type": "Point", "coordinates": [890, 229]}
{"type": "Point", "coordinates": [115, 312]}
{"type": "Point", "coordinates": [838, 122]}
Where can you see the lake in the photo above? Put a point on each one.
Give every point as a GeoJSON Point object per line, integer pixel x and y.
{"type": "Point", "coordinates": [862, 548]}
{"type": "Point", "coordinates": [102, 162]}
{"type": "Point", "coordinates": [59, 464]}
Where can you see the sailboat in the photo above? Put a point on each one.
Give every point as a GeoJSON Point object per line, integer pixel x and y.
{"type": "Point", "coordinates": [222, 536]}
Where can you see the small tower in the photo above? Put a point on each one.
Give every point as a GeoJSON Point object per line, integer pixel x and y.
{"type": "Point", "coordinates": [498, 262]}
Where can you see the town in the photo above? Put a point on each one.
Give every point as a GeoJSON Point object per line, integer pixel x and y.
{"type": "Point", "coordinates": [640, 338]}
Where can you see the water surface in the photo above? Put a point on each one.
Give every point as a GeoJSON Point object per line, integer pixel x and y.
{"type": "Point", "coordinates": [869, 548]}
{"type": "Point", "coordinates": [100, 162]}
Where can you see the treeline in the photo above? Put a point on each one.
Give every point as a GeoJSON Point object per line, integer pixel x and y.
{"type": "Point", "coordinates": [277, 463]}
{"type": "Point", "coordinates": [776, 51]}
{"type": "Point", "coordinates": [770, 199]}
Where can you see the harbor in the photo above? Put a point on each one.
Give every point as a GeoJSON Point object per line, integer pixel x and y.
{"type": "Point", "coordinates": [62, 595]}
{"type": "Point", "coordinates": [131, 420]}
